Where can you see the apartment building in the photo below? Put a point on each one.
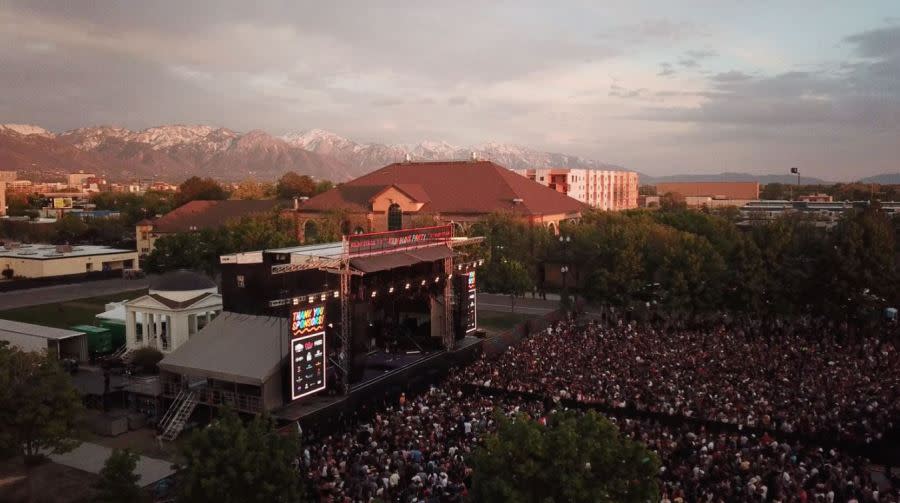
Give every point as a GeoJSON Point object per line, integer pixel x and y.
{"type": "Point", "coordinates": [601, 189]}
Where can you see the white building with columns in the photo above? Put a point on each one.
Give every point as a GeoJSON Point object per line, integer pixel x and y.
{"type": "Point", "coordinates": [177, 306]}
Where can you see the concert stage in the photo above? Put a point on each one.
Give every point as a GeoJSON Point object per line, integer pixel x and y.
{"type": "Point", "coordinates": [328, 330]}
{"type": "Point", "coordinates": [385, 378]}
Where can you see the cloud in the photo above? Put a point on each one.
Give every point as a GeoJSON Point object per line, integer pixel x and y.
{"type": "Point", "coordinates": [665, 70]}
{"type": "Point", "coordinates": [878, 43]}
{"type": "Point", "coordinates": [702, 54]}
{"type": "Point", "coordinates": [861, 96]}
{"type": "Point", "coordinates": [372, 72]}
{"type": "Point", "coordinates": [731, 76]}
{"type": "Point", "coordinates": [618, 91]}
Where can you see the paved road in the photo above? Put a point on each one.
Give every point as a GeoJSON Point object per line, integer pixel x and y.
{"type": "Point", "coordinates": [64, 293]}
{"type": "Point", "coordinates": [91, 457]}
{"type": "Point", "coordinates": [525, 305]}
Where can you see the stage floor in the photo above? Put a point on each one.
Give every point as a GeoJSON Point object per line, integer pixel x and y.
{"type": "Point", "coordinates": [380, 367]}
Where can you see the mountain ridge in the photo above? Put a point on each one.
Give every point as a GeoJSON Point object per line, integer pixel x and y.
{"type": "Point", "coordinates": [177, 151]}
{"type": "Point", "coordinates": [173, 152]}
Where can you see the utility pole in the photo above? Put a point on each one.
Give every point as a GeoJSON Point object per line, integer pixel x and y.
{"type": "Point", "coordinates": [564, 241]}
{"type": "Point", "coordinates": [796, 171]}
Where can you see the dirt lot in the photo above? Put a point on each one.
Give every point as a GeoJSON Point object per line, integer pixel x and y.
{"type": "Point", "coordinates": [50, 482]}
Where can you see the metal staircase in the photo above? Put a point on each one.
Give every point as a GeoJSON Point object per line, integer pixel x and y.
{"type": "Point", "coordinates": [175, 418]}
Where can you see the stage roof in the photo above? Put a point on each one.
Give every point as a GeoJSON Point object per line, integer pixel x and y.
{"type": "Point", "coordinates": [329, 255]}
{"type": "Point", "coordinates": [393, 260]}
{"type": "Point", "coordinates": [233, 347]}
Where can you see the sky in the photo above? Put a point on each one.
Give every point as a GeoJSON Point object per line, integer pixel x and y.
{"type": "Point", "coordinates": [659, 87]}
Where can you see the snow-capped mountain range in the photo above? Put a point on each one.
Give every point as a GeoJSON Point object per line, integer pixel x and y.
{"type": "Point", "coordinates": [369, 156]}
{"type": "Point", "coordinates": [175, 152]}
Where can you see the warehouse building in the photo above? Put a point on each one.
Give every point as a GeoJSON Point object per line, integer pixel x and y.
{"type": "Point", "coordinates": [48, 261]}
{"type": "Point", "coordinates": [58, 342]}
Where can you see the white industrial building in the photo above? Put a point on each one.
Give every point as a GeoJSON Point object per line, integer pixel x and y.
{"type": "Point", "coordinates": [58, 342]}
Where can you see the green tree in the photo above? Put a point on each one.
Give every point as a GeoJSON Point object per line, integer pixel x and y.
{"type": "Point", "coordinates": [201, 250]}
{"type": "Point", "coordinates": [577, 457]}
{"type": "Point", "coordinates": [260, 232]}
{"type": "Point", "coordinates": [774, 191]}
{"type": "Point", "coordinates": [135, 207]}
{"type": "Point", "coordinates": [232, 462]}
{"type": "Point", "coordinates": [196, 188]}
{"type": "Point", "coordinates": [323, 186]}
{"type": "Point", "coordinates": [292, 185]}
{"type": "Point", "coordinates": [251, 189]}
{"type": "Point", "coordinates": [70, 229]}
{"type": "Point", "coordinates": [38, 404]}
{"type": "Point", "coordinates": [146, 359]}
{"type": "Point", "coordinates": [862, 262]}
{"type": "Point", "coordinates": [672, 201]}
{"type": "Point", "coordinates": [118, 481]}
{"type": "Point", "coordinates": [514, 279]}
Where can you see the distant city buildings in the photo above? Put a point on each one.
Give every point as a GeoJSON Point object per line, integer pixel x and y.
{"type": "Point", "coordinates": [605, 190]}
{"type": "Point", "coordinates": [816, 198]}
{"type": "Point", "coordinates": [823, 214]}
{"type": "Point", "coordinates": [711, 194]}
{"type": "Point", "coordinates": [7, 176]}
{"type": "Point", "coordinates": [77, 180]}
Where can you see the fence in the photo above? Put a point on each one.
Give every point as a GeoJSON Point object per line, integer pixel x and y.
{"type": "Point", "coordinates": [26, 283]}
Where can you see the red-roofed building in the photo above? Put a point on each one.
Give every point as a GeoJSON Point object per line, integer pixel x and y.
{"type": "Point", "coordinates": [410, 194]}
{"type": "Point", "coordinates": [195, 216]}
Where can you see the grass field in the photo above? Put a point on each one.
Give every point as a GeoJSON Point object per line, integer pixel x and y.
{"type": "Point", "coordinates": [67, 314]}
{"type": "Point", "coordinates": [492, 321]}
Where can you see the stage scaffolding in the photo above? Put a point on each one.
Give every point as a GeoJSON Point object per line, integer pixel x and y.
{"type": "Point", "coordinates": [337, 258]}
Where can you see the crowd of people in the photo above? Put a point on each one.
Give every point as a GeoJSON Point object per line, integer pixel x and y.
{"type": "Point", "coordinates": [414, 451]}
{"type": "Point", "coordinates": [419, 449]}
{"type": "Point", "coordinates": [799, 380]}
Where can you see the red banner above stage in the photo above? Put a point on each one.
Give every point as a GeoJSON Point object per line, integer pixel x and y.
{"type": "Point", "coordinates": [381, 242]}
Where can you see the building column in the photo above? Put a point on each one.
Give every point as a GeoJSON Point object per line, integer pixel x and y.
{"type": "Point", "coordinates": [145, 335]}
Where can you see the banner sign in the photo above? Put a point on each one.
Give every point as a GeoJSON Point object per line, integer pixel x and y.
{"type": "Point", "coordinates": [307, 320]}
{"type": "Point", "coordinates": [379, 242]}
{"type": "Point", "coordinates": [62, 203]}
{"type": "Point", "coordinates": [308, 356]}
{"type": "Point", "coordinates": [468, 314]}
{"type": "Point", "coordinates": [307, 365]}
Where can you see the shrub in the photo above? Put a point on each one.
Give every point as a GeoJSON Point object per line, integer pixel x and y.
{"type": "Point", "coordinates": [145, 359]}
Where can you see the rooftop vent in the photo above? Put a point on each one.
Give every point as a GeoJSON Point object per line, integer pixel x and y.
{"type": "Point", "coordinates": [518, 200]}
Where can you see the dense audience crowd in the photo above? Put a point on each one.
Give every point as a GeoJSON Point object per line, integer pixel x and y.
{"type": "Point", "coordinates": [418, 450]}
{"type": "Point", "coordinates": [797, 381]}
{"type": "Point", "coordinates": [413, 452]}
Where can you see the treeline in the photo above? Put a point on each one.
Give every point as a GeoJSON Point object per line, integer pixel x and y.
{"type": "Point", "coordinates": [855, 191]}
{"type": "Point", "coordinates": [201, 250]}
{"type": "Point", "coordinates": [687, 262]}
{"type": "Point", "coordinates": [132, 208]}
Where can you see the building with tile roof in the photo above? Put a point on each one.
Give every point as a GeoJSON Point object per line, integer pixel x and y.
{"type": "Point", "coordinates": [409, 194]}
{"type": "Point", "coordinates": [197, 215]}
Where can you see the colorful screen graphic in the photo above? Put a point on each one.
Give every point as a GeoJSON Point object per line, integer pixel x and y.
{"type": "Point", "coordinates": [307, 320]}
{"type": "Point", "coordinates": [308, 358]}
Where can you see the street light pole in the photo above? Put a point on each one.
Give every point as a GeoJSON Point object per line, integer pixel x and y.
{"type": "Point", "coordinates": [564, 298]}
{"type": "Point", "coordinates": [796, 171]}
